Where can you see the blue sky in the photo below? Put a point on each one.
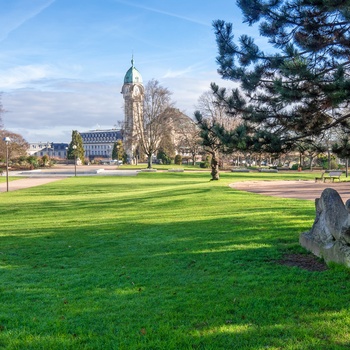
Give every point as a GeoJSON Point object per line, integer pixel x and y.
{"type": "Point", "coordinates": [62, 62]}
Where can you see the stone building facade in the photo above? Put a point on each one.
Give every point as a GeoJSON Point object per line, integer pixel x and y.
{"type": "Point", "coordinates": [99, 143]}
{"type": "Point", "coordinates": [51, 149]}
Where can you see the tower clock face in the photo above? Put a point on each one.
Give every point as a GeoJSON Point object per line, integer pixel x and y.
{"type": "Point", "coordinates": [136, 91]}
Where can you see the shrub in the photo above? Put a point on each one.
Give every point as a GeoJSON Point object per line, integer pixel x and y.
{"type": "Point", "coordinates": [163, 157]}
{"type": "Point", "coordinates": [178, 159]}
{"type": "Point", "coordinates": [33, 161]}
{"type": "Point", "coordinates": [204, 164]}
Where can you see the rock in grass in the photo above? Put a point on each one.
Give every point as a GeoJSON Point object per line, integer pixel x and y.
{"type": "Point", "coordinates": [329, 237]}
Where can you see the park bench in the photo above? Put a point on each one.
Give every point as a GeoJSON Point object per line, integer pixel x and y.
{"type": "Point", "coordinates": [263, 170]}
{"type": "Point", "coordinates": [240, 170]}
{"type": "Point", "coordinates": [332, 175]}
{"type": "Point", "coordinates": [315, 168]}
{"type": "Point", "coordinates": [179, 170]}
{"type": "Point", "coordinates": [321, 178]}
{"type": "Point", "coordinates": [283, 168]}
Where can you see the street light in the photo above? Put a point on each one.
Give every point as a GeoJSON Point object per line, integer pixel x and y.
{"type": "Point", "coordinates": [67, 155]}
{"type": "Point", "coordinates": [75, 160]}
{"type": "Point", "coordinates": [117, 155]}
{"type": "Point", "coordinates": [329, 157]}
{"type": "Point", "coordinates": [7, 141]}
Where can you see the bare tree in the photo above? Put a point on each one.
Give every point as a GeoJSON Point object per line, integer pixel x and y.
{"type": "Point", "coordinates": [212, 119]}
{"type": "Point", "coordinates": [17, 147]}
{"type": "Point", "coordinates": [215, 110]}
{"type": "Point", "coordinates": [154, 121]}
{"type": "Point", "coordinates": [190, 137]}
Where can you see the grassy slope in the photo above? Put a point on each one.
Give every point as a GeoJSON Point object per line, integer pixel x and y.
{"type": "Point", "coordinates": [162, 261]}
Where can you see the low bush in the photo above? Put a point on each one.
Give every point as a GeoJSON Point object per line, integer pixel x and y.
{"type": "Point", "coordinates": [178, 159]}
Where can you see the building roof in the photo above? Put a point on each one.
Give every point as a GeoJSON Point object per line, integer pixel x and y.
{"type": "Point", "coordinates": [132, 75]}
{"type": "Point", "coordinates": [101, 136]}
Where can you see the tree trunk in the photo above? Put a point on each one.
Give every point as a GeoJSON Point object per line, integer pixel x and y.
{"type": "Point", "coordinates": [347, 167]}
{"type": "Point", "coordinates": [311, 161]}
{"type": "Point", "coordinates": [149, 166]}
{"type": "Point", "coordinates": [214, 168]}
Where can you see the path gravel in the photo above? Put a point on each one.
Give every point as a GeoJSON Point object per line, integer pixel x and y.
{"type": "Point", "coordinates": [308, 190]}
{"type": "Point", "coordinates": [27, 182]}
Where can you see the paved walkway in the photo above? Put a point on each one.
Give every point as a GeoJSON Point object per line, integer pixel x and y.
{"type": "Point", "coordinates": [308, 190]}
{"type": "Point", "coordinates": [44, 176]}
{"type": "Point", "coordinates": [27, 182]}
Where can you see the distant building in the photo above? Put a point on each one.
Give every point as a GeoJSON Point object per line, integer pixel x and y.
{"type": "Point", "coordinates": [36, 147]}
{"type": "Point", "coordinates": [99, 143]}
{"type": "Point", "coordinates": [52, 149]}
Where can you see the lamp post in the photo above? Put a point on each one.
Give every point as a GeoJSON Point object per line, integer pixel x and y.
{"type": "Point", "coordinates": [7, 141]}
{"type": "Point", "coordinates": [67, 155]}
{"type": "Point", "coordinates": [329, 158]}
{"type": "Point", "coordinates": [75, 159]}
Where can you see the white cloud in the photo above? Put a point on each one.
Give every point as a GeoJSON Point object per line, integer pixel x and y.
{"type": "Point", "coordinates": [187, 89]}
{"type": "Point", "coordinates": [20, 76]}
{"type": "Point", "coordinates": [81, 106]}
{"type": "Point", "coordinates": [38, 75]}
{"type": "Point", "coordinates": [175, 74]}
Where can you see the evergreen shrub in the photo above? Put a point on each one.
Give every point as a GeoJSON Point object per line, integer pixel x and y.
{"type": "Point", "coordinates": [178, 159]}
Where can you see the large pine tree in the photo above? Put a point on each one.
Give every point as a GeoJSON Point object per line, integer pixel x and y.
{"type": "Point", "coordinates": [302, 87]}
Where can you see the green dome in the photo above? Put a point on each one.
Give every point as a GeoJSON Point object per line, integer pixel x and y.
{"type": "Point", "coordinates": [132, 75]}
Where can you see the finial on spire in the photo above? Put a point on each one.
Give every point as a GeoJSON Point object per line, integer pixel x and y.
{"type": "Point", "coordinates": [132, 59]}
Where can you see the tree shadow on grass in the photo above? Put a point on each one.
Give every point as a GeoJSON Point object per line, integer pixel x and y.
{"type": "Point", "coordinates": [144, 267]}
{"type": "Point", "coordinates": [156, 286]}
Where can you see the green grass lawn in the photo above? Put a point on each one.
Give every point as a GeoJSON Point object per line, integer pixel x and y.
{"type": "Point", "coordinates": [163, 261]}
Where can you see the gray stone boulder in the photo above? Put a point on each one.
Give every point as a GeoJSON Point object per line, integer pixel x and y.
{"type": "Point", "coordinates": [329, 237]}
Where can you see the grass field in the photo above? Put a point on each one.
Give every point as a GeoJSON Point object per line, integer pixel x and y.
{"type": "Point", "coordinates": [163, 261]}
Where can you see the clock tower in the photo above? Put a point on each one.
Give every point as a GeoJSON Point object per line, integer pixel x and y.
{"type": "Point", "coordinates": [133, 94]}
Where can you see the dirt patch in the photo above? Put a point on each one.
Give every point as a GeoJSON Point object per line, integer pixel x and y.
{"type": "Point", "coordinates": [304, 261]}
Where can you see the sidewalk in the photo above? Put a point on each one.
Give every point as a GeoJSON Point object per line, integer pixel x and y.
{"type": "Point", "coordinates": [39, 177]}
{"type": "Point", "coordinates": [308, 190]}
{"type": "Point", "coordinates": [27, 182]}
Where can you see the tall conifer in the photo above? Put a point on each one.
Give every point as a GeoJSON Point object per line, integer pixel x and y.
{"type": "Point", "coordinates": [302, 87]}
